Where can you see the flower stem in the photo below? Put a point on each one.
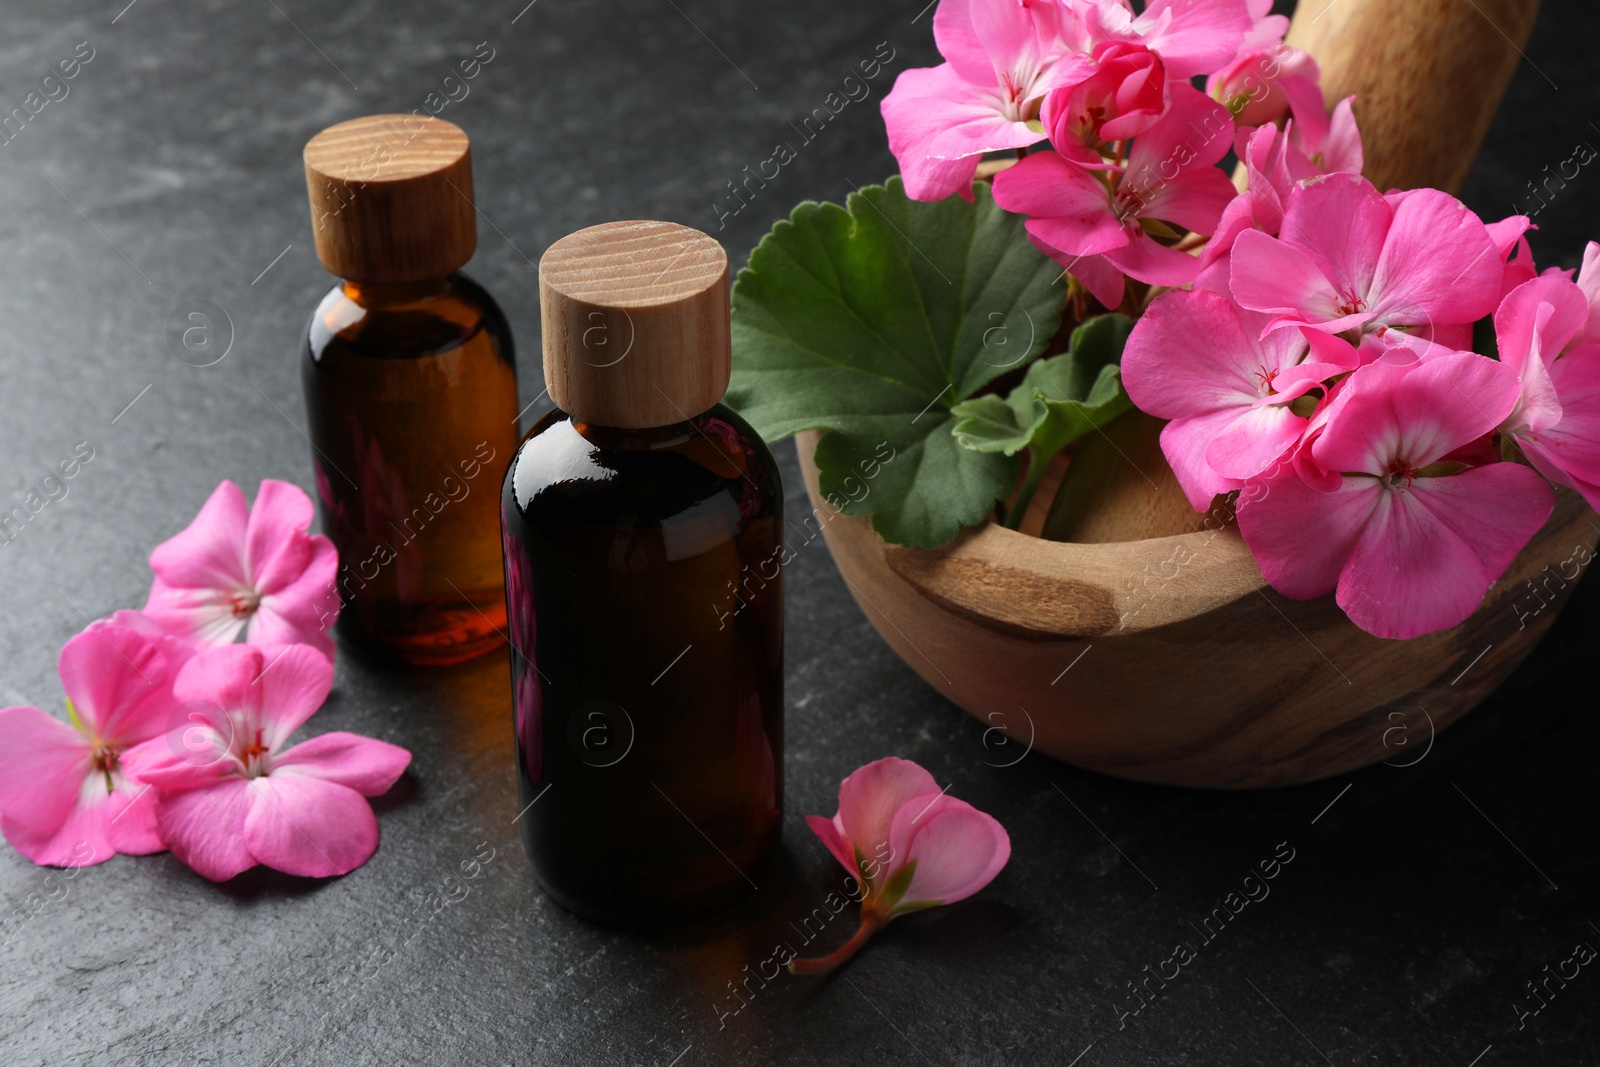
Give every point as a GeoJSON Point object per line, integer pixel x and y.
{"type": "Point", "coordinates": [871, 923]}
{"type": "Point", "coordinates": [1037, 462]}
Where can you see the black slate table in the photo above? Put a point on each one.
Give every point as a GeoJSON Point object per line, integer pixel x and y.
{"type": "Point", "coordinates": [1420, 900]}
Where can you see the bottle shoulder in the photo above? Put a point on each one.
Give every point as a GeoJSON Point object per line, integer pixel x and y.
{"type": "Point", "coordinates": [406, 322]}
{"type": "Point", "coordinates": [713, 463]}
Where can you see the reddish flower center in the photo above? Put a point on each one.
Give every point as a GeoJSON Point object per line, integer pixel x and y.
{"type": "Point", "coordinates": [1353, 305]}
{"type": "Point", "coordinates": [104, 760]}
{"type": "Point", "coordinates": [254, 757]}
{"type": "Point", "coordinates": [245, 603]}
{"type": "Point", "coordinates": [1266, 377]}
{"type": "Point", "coordinates": [1398, 476]}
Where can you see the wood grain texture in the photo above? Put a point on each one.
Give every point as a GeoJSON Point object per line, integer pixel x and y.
{"type": "Point", "coordinates": [1119, 487]}
{"type": "Point", "coordinates": [391, 198]}
{"type": "Point", "coordinates": [1427, 76]}
{"type": "Point", "coordinates": [1169, 660]}
{"type": "Point", "coordinates": [635, 319]}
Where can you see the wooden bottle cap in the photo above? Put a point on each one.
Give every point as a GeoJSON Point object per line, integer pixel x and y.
{"type": "Point", "coordinates": [391, 198]}
{"type": "Point", "coordinates": [635, 319]}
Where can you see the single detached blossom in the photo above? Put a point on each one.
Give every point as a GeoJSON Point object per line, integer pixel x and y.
{"type": "Point", "coordinates": [1408, 539]}
{"type": "Point", "coordinates": [230, 796]}
{"type": "Point", "coordinates": [1076, 213]}
{"type": "Point", "coordinates": [251, 569]}
{"type": "Point", "coordinates": [1230, 391]}
{"type": "Point", "coordinates": [1556, 421]}
{"type": "Point", "coordinates": [1002, 57]}
{"type": "Point", "coordinates": [910, 846]}
{"type": "Point", "coordinates": [65, 796]}
{"type": "Point", "coordinates": [1349, 259]}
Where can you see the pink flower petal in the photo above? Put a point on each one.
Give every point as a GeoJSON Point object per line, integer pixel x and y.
{"type": "Point", "coordinates": [276, 546]}
{"type": "Point", "coordinates": [1429, 554]}
{"type": "Point", "coordinates": [295, 682]}
{"type": "Point", "coordinates": [830, 836]}
{"type": "Point", "coordinates": [43, 765]}
{"type": "Point", "coordinates": [302, 611]}
{"type": "Point", "coordinates": [368, 766]}
{"type": "Point", "coordinates": [1438, 264]}
{"type": "Point", "coordinates": [1195, 133]}
{"type": "Point", "coordinates": [205, 828]}
{"type": "Point", "coordinates": [870, 796]}
{"type": "Point", "coordinates": [1571, 446]}
{"type": "Point", "coordinates": [308, 826]}
{"type": "Point", "coordinates": [1274, 276]}
{"type": "Point", "coordinates": [1276, 516]}
{"type": "Point", "coordinates": [120, 680]}
{"type": "Point", "coordinates": [1420, 412]}
{"type": "Point", "coordinates": [1067, 206]}
{"type": "Point", "coordinates": [957, 849]}
{"type": "Point", "coordinates": [209, 553]}
{"type": "Point", "coordinates": [1184, 443]}
{"type": "Point", "coordinates": [202, 614]}
{"type": "Point", "coordinates": [1148, 260]}
{"type": "Point", "coordinates": [1342, 223]}
{"type": "Point", "coordinates": [130, 819]}
{"type": "Point", "coordinates": [223, 678]}
{"type": "Point", "coordinates": [78, 841]}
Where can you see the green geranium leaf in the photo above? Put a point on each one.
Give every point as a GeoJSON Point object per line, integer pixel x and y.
{"type": "Point", "coordinates": [1059, 401]}
{"type": "Point", "coordinates": [872, 321]}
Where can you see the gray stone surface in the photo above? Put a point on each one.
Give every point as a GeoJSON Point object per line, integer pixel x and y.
{"type": "Point", "coordinates": [1402, 932]}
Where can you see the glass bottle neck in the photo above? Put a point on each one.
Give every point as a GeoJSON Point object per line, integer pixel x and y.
{"type": "Point", "coordinates": [620, 439]}
{"type": "Point", "coordinates": [370, 294]}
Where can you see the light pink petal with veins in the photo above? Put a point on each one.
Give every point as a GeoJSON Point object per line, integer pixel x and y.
{"type": "Point", "coordinates": [205, 828]}
{"type": "Point", "coordinates": [1428, 555]}
{"type": "Point", "coordinates": [209, 552]}
{"type": "Point", "coordinates": [364, 764]}
{"type": "Point", "coordinates": [43, 765]}
{"type": "Point", "coordinates": [309, 827]}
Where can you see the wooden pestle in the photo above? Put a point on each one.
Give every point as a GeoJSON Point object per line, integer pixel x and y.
{"type": "Point", "coordinates": [1428, 76]}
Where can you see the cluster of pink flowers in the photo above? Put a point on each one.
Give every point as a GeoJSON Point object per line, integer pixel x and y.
{"type": "Point", "coordinates": [177, 735]}
{"type": "Point", "coordinates": [1315, 355]}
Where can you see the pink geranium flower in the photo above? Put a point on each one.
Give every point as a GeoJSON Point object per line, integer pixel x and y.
{"type": "Point", "coordinates": [1121, 96]}
{"type": "Point", "coordinates": [64, 792]}
{"type": "Point", "coordinates": [1409, 541]}
{"type": "Point", "coordinates": [1001, 60]}
{"type": "Point", "coordinates": [230, 795]}
{"type": "Point", "coordinates": [1197, 359]}
{"type": "Point", "coordinates": [251, 569]}
{"type": "Point", "coordinates": [1347, 258]}
{"type": "Point", "coordinates": [1076, 213]}
{"type": "Point", "coordinates": [1540, 328]}
{"type": "Point", "coordinates": [910, 846]}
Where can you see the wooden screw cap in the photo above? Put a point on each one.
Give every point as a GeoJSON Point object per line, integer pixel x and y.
{"type": "Point", "coordinates": [391, 198]}
{"type": "Point", "coordinates": [635, 318]}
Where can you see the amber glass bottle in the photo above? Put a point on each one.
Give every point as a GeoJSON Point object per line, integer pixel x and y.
{"type": "Point", "coordinates": [644, 548]}
{"type": "Point", "coordinates": [411, 391]}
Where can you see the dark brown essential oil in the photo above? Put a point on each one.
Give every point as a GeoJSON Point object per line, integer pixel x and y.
{"type": "Point", "coordinates": [644, 574]}
{"type": "Point", "coordinates": [411, 396]}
